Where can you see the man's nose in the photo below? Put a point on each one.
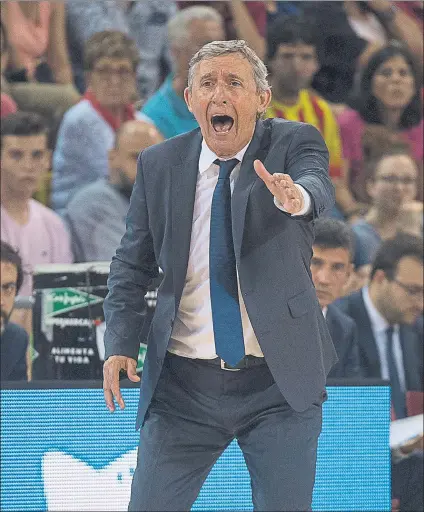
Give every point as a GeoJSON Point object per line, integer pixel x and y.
{"type": "Point", "coordinates": [323, 276]}
{"type": "Point", "coordinates": [27, 162]}
{"type": "Point", "coordinates": [396, 77]}
{"type": "Point", "coordinates": [298, 64]}
{"type": "Point", "coordinates": [220, 95]}
{"type": "Point", "coordinates": [114, 78]}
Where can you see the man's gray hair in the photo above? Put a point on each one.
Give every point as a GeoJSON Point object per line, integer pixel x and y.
{"type": "Point", "coordinates": [219, 48]}
{"type": "Point", "coordinates": [178, 25]}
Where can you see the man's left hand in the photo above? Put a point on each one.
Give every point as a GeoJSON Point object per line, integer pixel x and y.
{"type": "Point", "coordinates": [281, 187]}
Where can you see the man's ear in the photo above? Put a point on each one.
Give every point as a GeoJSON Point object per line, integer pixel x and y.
{"type": "Point", "coordinates": [88, 78]}
{"type": "Point", "coordinates": [350, 271]}
{"type": "Point", "coordinates": [317, 67]}
{"type": "Point", "coordinates": [264, 101]}
{"type": "Point", "coordinates": [379, 276]}
{"type": "Point", "coordinates": [187, 97]}
{"type": "Point", "coordinates": [112, 157]}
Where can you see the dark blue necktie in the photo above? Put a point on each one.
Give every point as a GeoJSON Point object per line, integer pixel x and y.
{"type": "Point", "coordinates": [398, 396]}
{"type": "Point", "coordinates": [226, 314]}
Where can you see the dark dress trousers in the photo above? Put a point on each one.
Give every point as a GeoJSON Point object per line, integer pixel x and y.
{"type": "Point", "coordinates": [189, 410]}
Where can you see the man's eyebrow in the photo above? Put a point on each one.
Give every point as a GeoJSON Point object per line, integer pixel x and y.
{"type": "Point", "coordinates": [207, 75]}
{"type": "Point", "coordinates": [233, 75]}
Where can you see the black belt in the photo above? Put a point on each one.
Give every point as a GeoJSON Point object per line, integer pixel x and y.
{"type": "Point", "coordinates": [244, 364]}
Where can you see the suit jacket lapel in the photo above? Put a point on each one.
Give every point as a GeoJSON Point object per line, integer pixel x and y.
{"type": "Point", "coordinates": [365, 334]}
{"type": "Point", "coordinates": [409, 354]}
{"type": "Point", "coordinates": [183, 190]}
{"type": "Point", "coordinates": [258, 149]}
{"type": "Point", "coordinates": [334, 327]}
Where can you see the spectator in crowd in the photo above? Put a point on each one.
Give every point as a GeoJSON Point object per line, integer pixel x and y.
{"type": "Point", "coordinates": [38, 74]}
{"type": "Point", "coordinates": [13, 338]}
{"type": "Point", "coordinates": [378, 22]}
{"type": "Point", "coordinates": [36, 231]}
{"type": "Point", "coordinates": [292, 62]}
{"type": "Point", "coordinates": [385, 312]}
{"type": "Point", "coordinates": [188, 31]}
{"type": "Point", "coordinates": [96, 214]}
{"type": "Point", "coordinates": [331, 266]}
{"type": "Point", "coordinates": [348, 33]}
{"type": "Point", "coordinates": [389, 95]}
{"type": "Point", "coordinates": [242, 20]}
{"type": "Point", "coordinates": [391, 183]}
{"type": "Point", "coordinates": [88, 129]}
{"type": "Point", "coordinates": [144, 21]}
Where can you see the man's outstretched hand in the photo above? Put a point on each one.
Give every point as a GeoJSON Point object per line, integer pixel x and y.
{"type": "Point", "coordinates": [111, 369]}
{"type": "Point", "coordinates": [281, 187]}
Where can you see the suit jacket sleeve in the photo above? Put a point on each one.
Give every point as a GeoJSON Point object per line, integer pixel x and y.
{"type": "Point", "coordinates": [307, 164]}
{"type": "Point", "coordinates": [132, 270]}
{"type": "Point", "coordinates": [19, 372]}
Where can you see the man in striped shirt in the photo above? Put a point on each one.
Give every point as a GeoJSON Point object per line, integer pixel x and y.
{"type": "Point", "coordinates": [292, 62]}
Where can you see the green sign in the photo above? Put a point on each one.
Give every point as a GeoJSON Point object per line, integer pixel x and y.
{"type": "Point", "coordinates": [62, 300]}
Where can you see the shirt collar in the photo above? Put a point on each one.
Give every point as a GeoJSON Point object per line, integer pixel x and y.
{"type": "Point", "coordinates": [324, 311]}
{"type": "Point", "coordinates": [208, 157]}
{"type": "Point", "coordinates": [114, 122]}
{"type": "Point", "coordinates": [378, 322]}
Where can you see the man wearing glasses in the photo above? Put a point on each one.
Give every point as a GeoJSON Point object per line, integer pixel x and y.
{"type": "Point", "coordinates": [385, 312]}
{"type": "Point", "coordinates": [13, 338]}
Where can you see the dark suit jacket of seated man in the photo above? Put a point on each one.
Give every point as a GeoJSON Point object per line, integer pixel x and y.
{"type": "Point", "coordinates": [13, 358]}
{"type": "Point", "coordinates": [191, 408]}
{"type": "Point", "coordinates": [354, 306]}
{"type": "Point", "coordinates": [344, 334]}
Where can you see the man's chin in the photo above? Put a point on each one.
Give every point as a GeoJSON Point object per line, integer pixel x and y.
{"type": "Point", "coordinates": [222, 145]}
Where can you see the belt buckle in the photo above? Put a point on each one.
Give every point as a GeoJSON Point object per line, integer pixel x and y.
{"type": "Point", "coordinates": [223, 367]}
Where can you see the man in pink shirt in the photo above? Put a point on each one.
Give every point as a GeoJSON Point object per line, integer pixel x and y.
{"type": "Point", "coordinates": [34, 230]}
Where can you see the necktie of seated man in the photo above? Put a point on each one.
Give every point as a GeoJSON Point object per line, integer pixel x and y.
{"type": "Point", "coordinates": [398, 396]}
{"type": "Point", "coordinates": [226, 316]}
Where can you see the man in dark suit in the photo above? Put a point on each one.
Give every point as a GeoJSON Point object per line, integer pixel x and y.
{"type": "Point", "coordinates": [13, 338]}
{"type": "Point", "coordinates": [385, 311]}
{"type": "Point", "coordinates": [238, 346]}
{"type": "Point", "coordinates": [331, 267]}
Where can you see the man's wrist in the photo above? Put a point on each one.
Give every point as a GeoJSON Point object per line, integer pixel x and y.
{"type": "Point", "coordinates": [307, 202]}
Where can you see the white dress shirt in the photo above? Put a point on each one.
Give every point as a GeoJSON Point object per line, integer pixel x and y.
{"type": "Point", "coordinates": [192, 334]}
{"type": "Point", "coordinates": [379, 327]}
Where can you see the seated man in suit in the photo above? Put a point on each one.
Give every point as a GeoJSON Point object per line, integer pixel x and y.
{"type": "Point", "coordinates": [385, 311]}
{"type": "Point", "coordinates": [13, 338]}
{"type": "Point", "coordinates": [331, 266]}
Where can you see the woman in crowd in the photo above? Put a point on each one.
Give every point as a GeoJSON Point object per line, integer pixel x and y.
{"type": "Point", "coordinates": [389, 95]}
{"type": "Point", "coordinates": [87, 131]}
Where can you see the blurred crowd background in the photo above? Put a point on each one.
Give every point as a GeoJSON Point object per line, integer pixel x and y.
{"type": "Point", "coordinates": [86, 86]}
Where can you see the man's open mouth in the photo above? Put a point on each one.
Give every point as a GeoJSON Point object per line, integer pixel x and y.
{"type": "Point", "coordinates": [222, 123]}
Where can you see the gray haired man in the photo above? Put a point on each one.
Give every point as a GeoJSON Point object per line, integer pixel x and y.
{"type": "Point", "coordinates": [238, 347]}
